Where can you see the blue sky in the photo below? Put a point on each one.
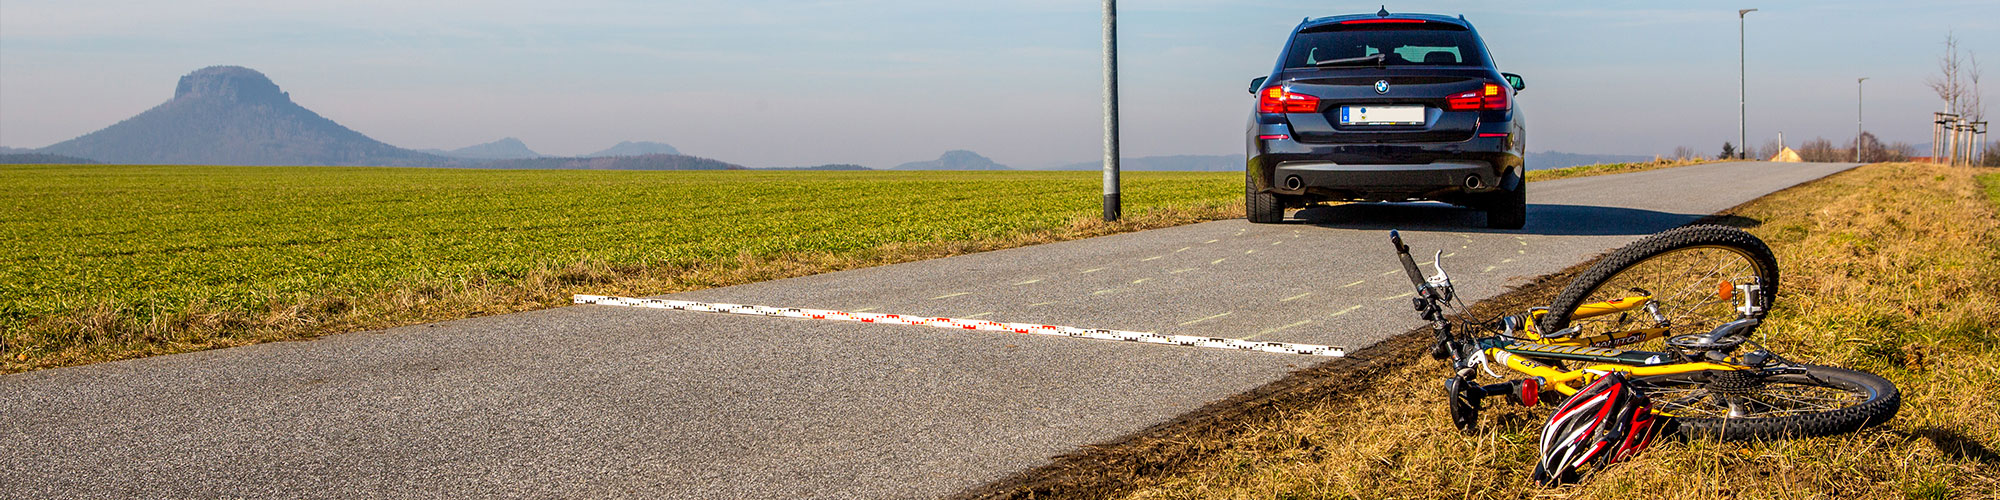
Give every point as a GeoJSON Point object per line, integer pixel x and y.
{"type": "Point", "coordinates": [880, 82]}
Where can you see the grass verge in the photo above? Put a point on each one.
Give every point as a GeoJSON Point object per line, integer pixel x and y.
{"type": "Point", "coordinates": [1891, 269]}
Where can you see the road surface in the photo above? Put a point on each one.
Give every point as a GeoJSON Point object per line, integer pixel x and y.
{"type": "Point", "coordinates": [601, 401]}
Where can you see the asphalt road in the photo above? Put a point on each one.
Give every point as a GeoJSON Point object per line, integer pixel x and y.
{"type": "Point", "coordinates": [600, 401]}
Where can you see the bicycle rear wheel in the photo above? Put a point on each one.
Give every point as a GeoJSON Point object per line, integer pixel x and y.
{"type": "Point", "coordinates": [1689, 271]}
{"type": "Point", "coordinates": [1731, 405]}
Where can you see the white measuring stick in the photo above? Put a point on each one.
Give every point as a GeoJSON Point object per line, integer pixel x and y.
{"type": "Point", "coordinates": [967, 324]}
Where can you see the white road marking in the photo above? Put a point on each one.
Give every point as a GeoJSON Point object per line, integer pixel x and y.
{"type": "Point", "coordinates": [1356, 282]}
{"type": "Point", "coordinates": [1178, 271]}
{"type": "Point", "coordinates": [1278, 329]}
{"type": "Point", "coordinates": [966, 324]}
{"type": "Point", "coordinates": [1347, 310]}
{"type": "Point", "coordinates": [1183, 249]}
{"type": "Point", "coordinates": [1209, 241]}
{"type": "Point", "coordinates": [1088, 271]}
{"type": "Point", "coordinates": [947, 296]}
{"type": "Point", "coordinates": [1153, 258]}
{"type": "Point", "coordinates": [1029, 282]}
{"type": "Point", "coordinates": [1217, 261]}
{"type": "Point", "coordinates": [1489, 269]}
{"type": "Point", "coordinates": [1203, 319]}
{"type": "Point", "coordinates": [980, 314]}
{"type": "Point", "coordinates": [1040, 304]}
{"type": "Point", "coordinates": [1141, 280]}
{"type": "Point", "coordinates": [1295, 297]}
{"type": "Point", "coordinates": [1404, 295]}
{"type": "Point", "coordinates": [1104, 291]}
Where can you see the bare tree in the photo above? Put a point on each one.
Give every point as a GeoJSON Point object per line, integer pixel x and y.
{"type": "Point", "coordinates": [1871, 148]}
{"type": "Point", "coordinates": [1820, 149]}
{"type": "Point", "coordinates": [1684, 153]}
{"type": "Point", "coordinates": [1768, 150]}
{"type": "Point", "coordinates": [1947, 84]}
{"type": "Point", "coordinates": [1974, 109]}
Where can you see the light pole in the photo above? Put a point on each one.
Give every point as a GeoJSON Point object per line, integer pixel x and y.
{"type": "Point", "coordinates": [1742, 83]}
{"type": "Point", "coordinates": [1111, 209]}
{"type": "Point", "coordinates": [1857, 118]}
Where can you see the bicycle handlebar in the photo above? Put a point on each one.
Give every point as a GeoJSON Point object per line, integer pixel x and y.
{"type": "Point", "coordinates": [1409, 263]}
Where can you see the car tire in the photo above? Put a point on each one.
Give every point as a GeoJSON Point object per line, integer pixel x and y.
{"type": "Point", "coordinates": [1508, 208]}
{"type": "Point", "coordinates": [1261, 208]}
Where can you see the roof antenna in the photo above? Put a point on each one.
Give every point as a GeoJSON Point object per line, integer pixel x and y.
{"type": "Point", "coordinates": [1384, 12]}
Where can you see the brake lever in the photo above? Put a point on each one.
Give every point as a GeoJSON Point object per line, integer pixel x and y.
{"type": "Point", "coordinates": [1441, 282]}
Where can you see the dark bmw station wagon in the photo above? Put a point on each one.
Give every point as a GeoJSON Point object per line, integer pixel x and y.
{"type": "Point", "coordinates": [1386, 107]}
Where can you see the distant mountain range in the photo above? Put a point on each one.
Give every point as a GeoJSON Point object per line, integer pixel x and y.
{"type": "Point", "coordinates": [632, 162]}
{"type": "Point", "coordinates": [230, 115]}
{"type": "Point", "coordinates": [1556, 159]}
{"type": "Point", "coordinates": [629, 148]}
{"type": "Point", "coordinates": [957, 159]}
{"type": "Point", "coordinates": [1179, 163]}
{"type": "Point", "coordinates": [503, 149]}
{"type": "Point", "coordinates": [11, 158]}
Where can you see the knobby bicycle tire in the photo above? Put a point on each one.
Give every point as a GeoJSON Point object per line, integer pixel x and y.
{"type": "Point", "coordinates": [1878, 403]}
{"type": "Point", "coordinates": [1687, 237]}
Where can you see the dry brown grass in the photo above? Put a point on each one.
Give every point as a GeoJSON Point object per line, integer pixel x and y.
{"type": "Point", "coordinates": [104, 333]}
{"type": "Point", "coordinates": [1892, 269]}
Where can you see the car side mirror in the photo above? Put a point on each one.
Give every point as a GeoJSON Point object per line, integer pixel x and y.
{"type": "Point", "coordinates": [1514, 80]}
{"type": "Point", "coordinates": [1257, 83]}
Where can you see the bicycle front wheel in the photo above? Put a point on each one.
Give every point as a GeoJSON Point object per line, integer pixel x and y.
{"type": "Point", "coordinates": [1737, 405]}
{"type": "Point", "coordinates": [1690, 272]}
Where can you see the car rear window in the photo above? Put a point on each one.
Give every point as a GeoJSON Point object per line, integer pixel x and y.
{"type": "Point", "coordinates": [1428, 45]}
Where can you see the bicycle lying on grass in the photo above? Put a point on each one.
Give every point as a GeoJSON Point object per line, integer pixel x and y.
{"type": "Point", "coordinates": [1704, 291]}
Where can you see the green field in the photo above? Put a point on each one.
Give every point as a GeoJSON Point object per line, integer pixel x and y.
{"type": "Point", "coordinates": [104, 262]}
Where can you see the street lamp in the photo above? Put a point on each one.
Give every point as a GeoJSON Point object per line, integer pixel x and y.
{"type": "Point", "coordinates": [1857, 118]}
{"type": "Point", "coordinates": [1742, 127]}
{"type": "Point", "coordinates": [1111, 205]}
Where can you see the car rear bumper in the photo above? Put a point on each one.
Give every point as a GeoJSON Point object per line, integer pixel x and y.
{"type": "Point", "coordinates": [1391, 181]}
{"type": "Point", "coordinates": [1384, 171]}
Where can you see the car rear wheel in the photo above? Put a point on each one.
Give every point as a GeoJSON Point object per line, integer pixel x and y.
{"type": "Point", "coordinates": [1508, 209]}
{"type": "Point", "coordinates": [1259, 207]}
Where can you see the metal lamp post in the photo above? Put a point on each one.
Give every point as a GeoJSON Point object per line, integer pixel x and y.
{"type": "Point", "coordinates": [1857, 118]}
{"type": "Point", "coordinates": [1742, 83]}
{"type": "Point", "coordinates": [1111, 208]}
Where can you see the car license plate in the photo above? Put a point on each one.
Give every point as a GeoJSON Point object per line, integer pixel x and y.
{"type": "Point", "coordinates": [1381, 115]}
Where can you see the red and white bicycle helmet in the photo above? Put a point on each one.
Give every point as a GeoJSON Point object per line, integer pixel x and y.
{"type": "Point", "coordinates": [1605, 423]}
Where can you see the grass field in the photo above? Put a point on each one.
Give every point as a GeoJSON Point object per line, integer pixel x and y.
{"type": "Point", "coordinates": [111, 262]}
{"type": "Point", "coordinates": [107, 262]}
{"type": "Point", "coordinates": [1889, 268]}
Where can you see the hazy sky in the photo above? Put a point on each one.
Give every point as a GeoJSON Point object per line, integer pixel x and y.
{"type": "Point", "coordinates": [880, 82]}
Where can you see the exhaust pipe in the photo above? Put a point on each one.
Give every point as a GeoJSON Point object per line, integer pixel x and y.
{"type": "Point", "coordinates": [1473, 182]}
{"type": "Point", "coordinates": [1293, 183]}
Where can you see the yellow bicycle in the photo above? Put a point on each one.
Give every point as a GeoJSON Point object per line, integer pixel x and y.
{"type": "Point", "coordinates": [1693, 297]}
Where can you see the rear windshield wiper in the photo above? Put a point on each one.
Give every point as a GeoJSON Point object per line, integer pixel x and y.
{"type": "Point", "coordinates": [1376, 58]}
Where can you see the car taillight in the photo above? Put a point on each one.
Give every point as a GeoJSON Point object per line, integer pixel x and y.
{"type": "Point", "coordinates": [1491, 96]}
{"type": "Point", "coordinates": [1278, 100]}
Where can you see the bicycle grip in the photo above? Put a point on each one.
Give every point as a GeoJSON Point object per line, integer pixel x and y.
{"type": "Point", "coordinates": [1409, 264]}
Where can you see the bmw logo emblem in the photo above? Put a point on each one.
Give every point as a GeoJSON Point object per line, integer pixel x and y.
{"type": "Point", "coordinates": [1381, 86]}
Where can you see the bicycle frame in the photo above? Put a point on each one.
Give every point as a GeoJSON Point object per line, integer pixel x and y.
{"type": "Point", "coordinates": [1529, 352]}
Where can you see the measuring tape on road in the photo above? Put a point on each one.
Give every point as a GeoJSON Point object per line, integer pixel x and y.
{"type": "Point", "coordinates": [968, 324]}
